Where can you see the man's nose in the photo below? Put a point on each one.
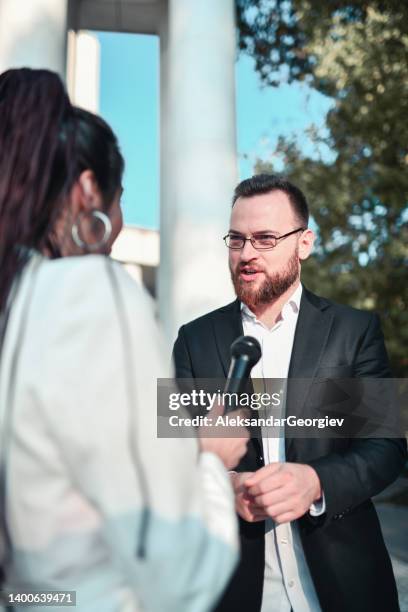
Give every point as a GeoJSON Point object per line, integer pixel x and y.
{"type": "Point", "coordinates": [248, 252]}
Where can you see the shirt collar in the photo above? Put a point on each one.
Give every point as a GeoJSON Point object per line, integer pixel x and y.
{"type": "Point", "coordinates": [291, 306]}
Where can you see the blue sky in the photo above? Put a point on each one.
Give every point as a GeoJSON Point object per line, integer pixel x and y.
{"type": "Point", "coordinates": [129, 101]}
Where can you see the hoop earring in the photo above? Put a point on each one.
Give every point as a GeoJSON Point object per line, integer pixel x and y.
{"type": "Point", "coordinates": [95, 246]}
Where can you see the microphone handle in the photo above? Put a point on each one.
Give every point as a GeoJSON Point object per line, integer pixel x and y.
{"type": "Point", "coordinates": [237, 377]}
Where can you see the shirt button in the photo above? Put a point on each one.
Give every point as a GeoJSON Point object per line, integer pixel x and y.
{"type": "Point", "coordinates": [284, 541]}
{"type": "Point", "coordinates": [291, 583]}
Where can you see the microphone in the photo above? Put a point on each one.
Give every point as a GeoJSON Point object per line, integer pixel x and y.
{"type": "Point", "coordinates": [245, 353]}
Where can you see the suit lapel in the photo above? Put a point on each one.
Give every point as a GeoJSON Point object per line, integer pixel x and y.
{"type": "Point", "coordinates": [312, 331]}
{"type": "Point", "coordinates": [227, 326]}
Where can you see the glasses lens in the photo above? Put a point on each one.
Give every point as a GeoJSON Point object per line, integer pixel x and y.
{"type": "Point", "coordinates": [264, 242]}
{"type": "Point", "coordinates": [234, 242]}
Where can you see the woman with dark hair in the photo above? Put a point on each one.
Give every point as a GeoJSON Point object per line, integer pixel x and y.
{"type": "Point", "coordinates": [90, 499]}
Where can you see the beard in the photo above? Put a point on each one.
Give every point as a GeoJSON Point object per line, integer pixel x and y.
{"type": "Point", "coordinates": [271, 287]}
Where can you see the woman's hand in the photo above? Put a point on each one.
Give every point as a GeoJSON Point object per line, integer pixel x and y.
{"type": "Point", "coordinates": [228, 442]}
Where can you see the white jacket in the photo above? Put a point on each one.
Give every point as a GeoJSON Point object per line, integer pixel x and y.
{"type": "Point", "coordinates": [79, 438]}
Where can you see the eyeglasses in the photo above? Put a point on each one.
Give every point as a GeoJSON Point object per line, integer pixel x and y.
{"type": "Point", "coordinates": [260, 242]}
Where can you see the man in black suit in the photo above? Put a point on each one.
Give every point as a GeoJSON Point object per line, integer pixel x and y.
{"type": "Point", "coordinates": [310, 535]}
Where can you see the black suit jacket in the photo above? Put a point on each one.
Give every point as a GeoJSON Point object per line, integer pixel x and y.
{"type": "Point", "coordinates": [344, 548]}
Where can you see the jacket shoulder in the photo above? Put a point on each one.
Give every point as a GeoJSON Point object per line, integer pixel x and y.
{"type": "Point", "coordinates": [205, 321]}
{"type": "Point", "coordinates": [344, 312]}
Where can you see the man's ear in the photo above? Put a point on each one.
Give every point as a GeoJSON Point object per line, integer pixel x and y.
{"type": "Point", "coordinates": [306, 242]}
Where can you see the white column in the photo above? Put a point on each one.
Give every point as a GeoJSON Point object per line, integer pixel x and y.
{"type": "Point", "coordinates": [83, 69]}
{"type": "Point", "coordinates": [33, 34]}
{"type": "Point", "coordinates": [198, 158]}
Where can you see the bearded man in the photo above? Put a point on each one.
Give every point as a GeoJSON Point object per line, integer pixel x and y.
{"type": "Point", "coordinates": [310, 537]}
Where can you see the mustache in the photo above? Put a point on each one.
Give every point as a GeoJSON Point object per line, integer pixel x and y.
{"type": "Point", "coordinates": [246, 266]}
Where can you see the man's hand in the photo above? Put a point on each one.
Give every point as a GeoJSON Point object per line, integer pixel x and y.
{"type": "Point", "coordinates": [283, 491]}
{"type": "Point", "coordinates": [244, 503]}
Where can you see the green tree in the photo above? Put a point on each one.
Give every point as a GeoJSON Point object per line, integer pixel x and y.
{"type": "Point", "coordinates": [357, 53]}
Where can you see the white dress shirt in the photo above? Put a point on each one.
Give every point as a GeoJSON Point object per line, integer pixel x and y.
{"type": "Point", "coordinates": [287, 580]}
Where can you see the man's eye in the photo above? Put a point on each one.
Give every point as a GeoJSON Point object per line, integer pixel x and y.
{"type": "Point", "coordinates": [265, 238]}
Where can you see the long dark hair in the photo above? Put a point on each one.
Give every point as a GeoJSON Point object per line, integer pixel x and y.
{"type": "Point", "coordinates": [45, 143]}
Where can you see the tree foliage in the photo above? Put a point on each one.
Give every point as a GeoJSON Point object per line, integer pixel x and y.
{"type": "Point", "coordinates": [356, 53]}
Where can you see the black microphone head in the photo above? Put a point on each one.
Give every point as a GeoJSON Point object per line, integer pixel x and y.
{"type": "Point", "coordinates": [248, 347]}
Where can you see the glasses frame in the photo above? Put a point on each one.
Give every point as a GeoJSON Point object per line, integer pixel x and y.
{"type": "Point", "coordinates": [251, 240]}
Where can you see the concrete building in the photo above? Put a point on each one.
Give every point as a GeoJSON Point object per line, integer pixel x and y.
{"type": "Point", "coordinates": [138, 250]}
{"type": "Point", "coordinates": [198, 143]}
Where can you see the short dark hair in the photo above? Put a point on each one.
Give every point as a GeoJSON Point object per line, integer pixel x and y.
{"type": "Point", "coordinates": [266, 183]}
